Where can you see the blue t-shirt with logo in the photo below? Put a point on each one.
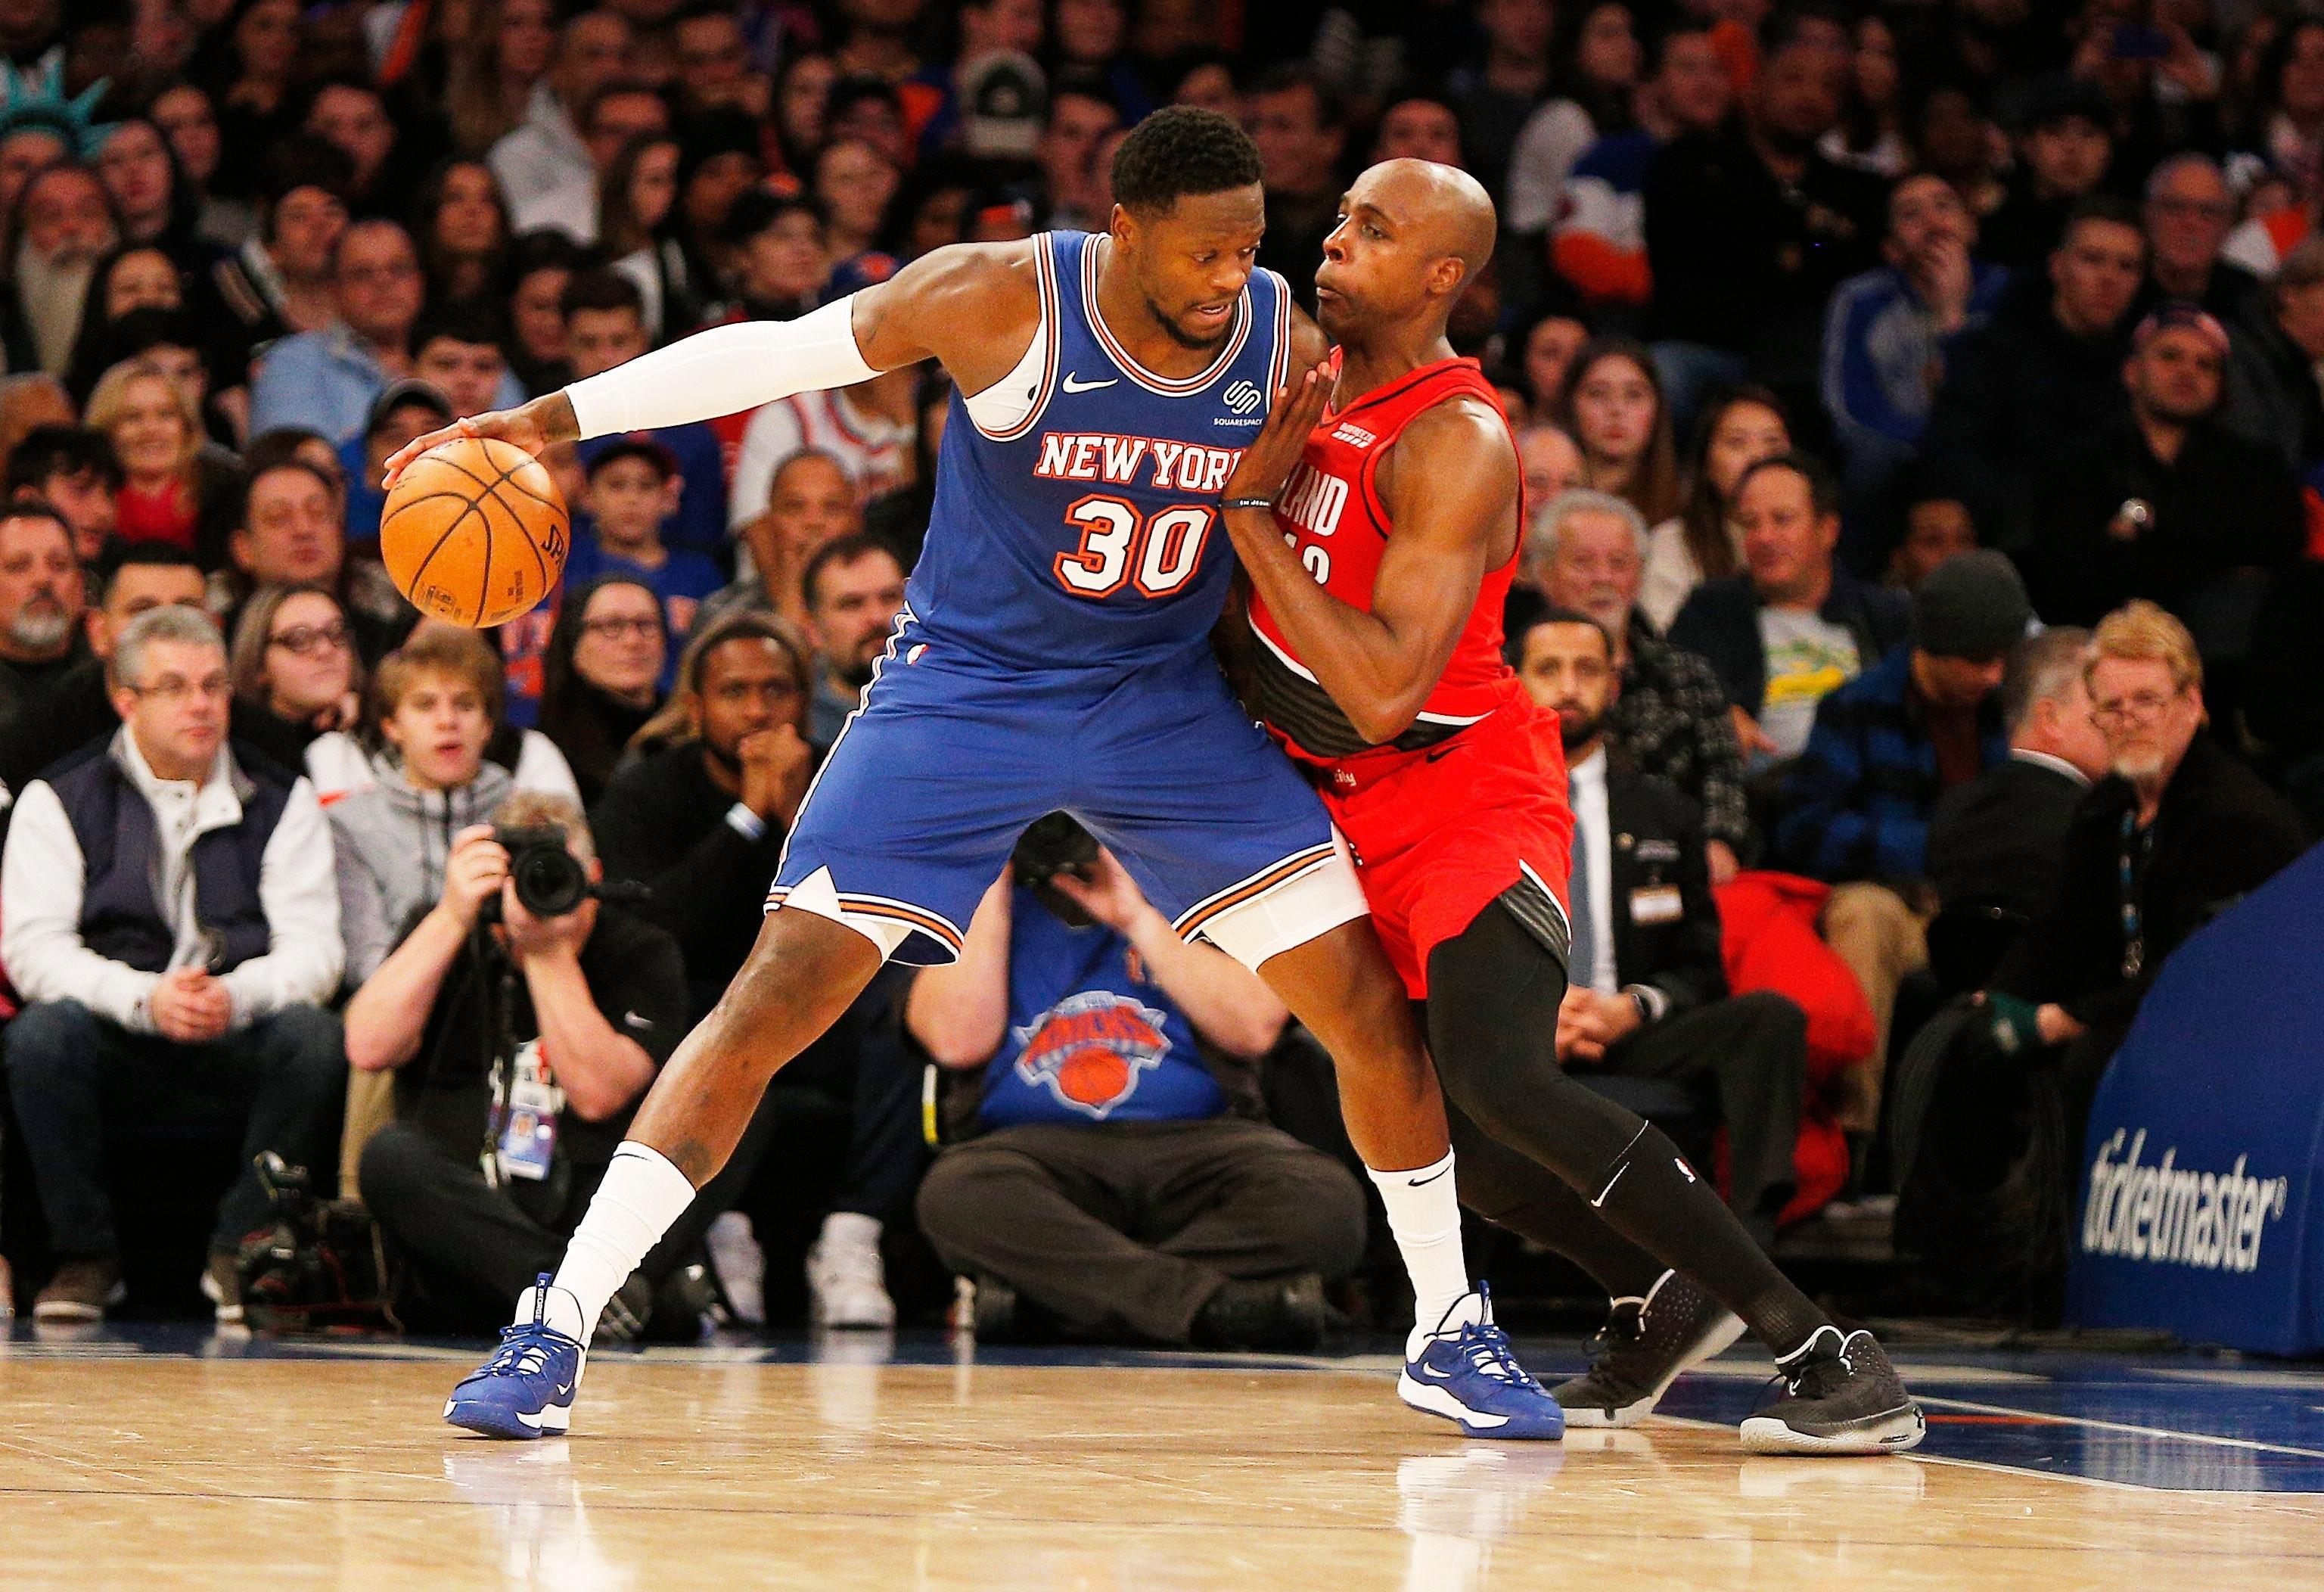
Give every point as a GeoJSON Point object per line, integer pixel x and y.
{"type": "Point", "coordinates": [1087, 1040]}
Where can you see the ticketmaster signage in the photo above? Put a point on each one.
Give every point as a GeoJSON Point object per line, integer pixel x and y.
{"type": "Point", "coordinates": [2176, 1216]}
{"type": "Point", "coordinates": [2203, 1213]}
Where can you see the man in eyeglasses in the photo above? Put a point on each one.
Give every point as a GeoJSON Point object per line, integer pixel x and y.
{"type": "Point", "coordinates": [2178, 832]}
{"type": "Point", "coordinates": [171, 921]}
{"type": "Point", "coordinates": [294, 527]}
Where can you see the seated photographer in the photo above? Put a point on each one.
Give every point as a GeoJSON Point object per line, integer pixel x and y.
{"type": "Point", "coordinates": [170, 922]}
{"type": "Point", "coordinates": [1120, 1184]}
{"type": "Point", "coordinates": [523, 1019]}
{"type": "Point", "coordinates": [1649, 995]}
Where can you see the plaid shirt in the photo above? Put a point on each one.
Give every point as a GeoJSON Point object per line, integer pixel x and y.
{"type": "Point", "coordinates": [1857, 802]}
{"type": "Point", "coordinates": [1671, 721]}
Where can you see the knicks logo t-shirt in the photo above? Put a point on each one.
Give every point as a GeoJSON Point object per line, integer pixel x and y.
{"type": "Point", "coordinates": [1088, 1040]}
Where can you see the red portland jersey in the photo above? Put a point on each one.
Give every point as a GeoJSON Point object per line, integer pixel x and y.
{"type": "Point", "coordinates": [1332, 514]}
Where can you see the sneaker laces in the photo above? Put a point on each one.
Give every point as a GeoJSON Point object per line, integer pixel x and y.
{"type": "Point", "coordinates": [1486, 1349]}
{"type": "Point", "coordinates": [1625, 1327]}
{"type": "Point", "coordinates": [1818, 1374]}
{"type": "Point", "coordinates": [523, 1351]}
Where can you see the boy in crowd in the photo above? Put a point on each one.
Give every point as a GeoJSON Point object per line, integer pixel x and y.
{"type": "Point", "coordinates": [633, 491]}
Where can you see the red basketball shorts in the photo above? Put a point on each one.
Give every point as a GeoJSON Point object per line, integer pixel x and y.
{"type": "Point", "coordinates": [1439, 834]}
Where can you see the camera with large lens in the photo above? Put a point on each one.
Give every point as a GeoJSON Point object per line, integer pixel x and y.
{"type": "Point", "coordinates": [1051, 846]}
{"type": "Point", "coordinates": [549, 880]}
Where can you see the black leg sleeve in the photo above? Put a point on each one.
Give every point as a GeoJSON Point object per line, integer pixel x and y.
{"type": "Point", "coordinates": [1493, 994]}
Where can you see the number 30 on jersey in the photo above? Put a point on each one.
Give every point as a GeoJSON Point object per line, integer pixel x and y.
{"type": "Point", "coordinates": [1119, 546]}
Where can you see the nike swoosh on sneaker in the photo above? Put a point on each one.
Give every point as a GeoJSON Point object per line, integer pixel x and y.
{"type": "Point", "coordinates": [1074, 383]}
{"type": "Point", "coordinates": [1433, 1374]}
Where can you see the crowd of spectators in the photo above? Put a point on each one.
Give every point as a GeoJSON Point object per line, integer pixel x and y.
{"type": "Point", "coordinates": [1922, 413]}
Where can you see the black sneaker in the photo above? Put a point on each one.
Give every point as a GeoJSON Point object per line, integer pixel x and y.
{"type": "Point", "coordinates": [626, 1314]}
{"type": "Point", "coordinates": [1642, 1349]}
{"type": "Point", "coordinates": [1280, 1316]}
{"type": "Point", "coordinates": [1840, 1396]}
{"type": "Point", "coordinates": [995, 1316]}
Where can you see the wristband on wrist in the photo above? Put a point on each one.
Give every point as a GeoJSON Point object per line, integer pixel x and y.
{"type": "Point", "coordinates": [1250, 502]}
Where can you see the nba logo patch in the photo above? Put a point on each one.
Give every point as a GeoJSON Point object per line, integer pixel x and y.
{"type": "Point", "coordinates": [912, 654]}
{"type": "Point", "coordinates": [1090, 1050]}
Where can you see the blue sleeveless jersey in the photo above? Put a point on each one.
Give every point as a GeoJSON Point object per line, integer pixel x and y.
{"type": "Point", "coordinates": [1087, 1042]}
{"type": "Point", "coordinates": [1088, 535]}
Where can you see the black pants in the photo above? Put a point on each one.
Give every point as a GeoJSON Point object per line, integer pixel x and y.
{"type": "Point", "coordinates": [1751, 1053]}
{"type": "Point", "coordinates": [863, 1065]}
{"type": "Point", "coordinates": [468, 1250]}
{"type": "Point", "coordinates": [78, 1082]}
{"type": "Point", "coordinates": [1132, 1226]}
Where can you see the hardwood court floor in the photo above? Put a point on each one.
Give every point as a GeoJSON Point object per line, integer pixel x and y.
{"type": "Point", "coordinates": [197, 1462]}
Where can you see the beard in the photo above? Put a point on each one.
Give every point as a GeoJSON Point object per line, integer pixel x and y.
{"type": "Point", "coordinates": [52, 290]}
{"type": "Point", "coordinates": [1574, 730]}
{"type": "Point", "coordinates": [855, 673]}
{"type": "Point", "coordinates": [43, 627]}
{"type": "Point", "coordinates": [2141, 767]}
{"type": "Point", "coordinates": [1181, 336]}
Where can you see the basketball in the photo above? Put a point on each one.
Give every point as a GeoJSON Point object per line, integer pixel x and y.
{"type": "Point", "coordinates": [474, 532]}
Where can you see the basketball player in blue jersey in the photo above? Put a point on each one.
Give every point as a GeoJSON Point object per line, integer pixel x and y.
{"type": "Point", "coordinates": [1054, 654]}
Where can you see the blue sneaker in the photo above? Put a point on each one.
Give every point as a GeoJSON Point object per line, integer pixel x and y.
{"type": "Point", "coordinates": [1465, 1371]}
{"type": "Point", "coordinates": [526, 1389]}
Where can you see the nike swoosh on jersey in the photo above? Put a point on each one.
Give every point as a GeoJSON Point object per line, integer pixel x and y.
{"type": "Point", "coordinates": [1074, 383]}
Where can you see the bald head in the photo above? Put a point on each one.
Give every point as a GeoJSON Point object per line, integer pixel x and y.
{"type": "Point", "coordinates": [1413, 235]}
{"type": "Point", "coordinates": [1447, 208]}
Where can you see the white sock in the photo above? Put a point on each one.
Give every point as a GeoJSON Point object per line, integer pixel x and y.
{"type": "Point", "coordinates": [847, 1226]}
{"type": "Point", "coordinates": [1424, 1212]}
{"type": "Point", "coordinates": [641, 1196]}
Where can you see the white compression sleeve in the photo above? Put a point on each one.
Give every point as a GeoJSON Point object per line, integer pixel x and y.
{"type": "Point", "coordinates": [726, 370]}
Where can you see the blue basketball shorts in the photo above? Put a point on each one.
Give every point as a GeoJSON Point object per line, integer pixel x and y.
{"type": "Point", "coordinates": [947, 759]}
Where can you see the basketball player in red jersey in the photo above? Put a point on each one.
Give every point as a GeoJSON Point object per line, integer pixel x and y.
{"type": "Point", "coordinates": [1379, 515]}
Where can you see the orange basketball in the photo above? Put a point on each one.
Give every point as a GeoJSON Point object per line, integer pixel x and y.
{"type": "Point", "coordinates": [474, 532]}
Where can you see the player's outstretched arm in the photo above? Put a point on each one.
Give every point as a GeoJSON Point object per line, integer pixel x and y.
{"type": "Point", "coordinates": [967, 305]}
{"type": "Point", "coordinates": [1449, 515]}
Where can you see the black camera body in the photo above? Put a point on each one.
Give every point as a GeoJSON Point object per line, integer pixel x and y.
{"type": "Point", "coordinates": [1052, 844]}
{"type": "Point", "coordinates": [549, 880]}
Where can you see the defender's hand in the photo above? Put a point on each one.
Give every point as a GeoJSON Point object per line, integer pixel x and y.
{"type": "Point", "coordinates": [1268, 463]}
{"type": "Point", "coordinates": [531, 427]}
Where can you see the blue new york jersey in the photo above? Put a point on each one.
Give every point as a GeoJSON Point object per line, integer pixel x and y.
{"type": "Point", "coordinates": [1088, 535]}
{"type": "Point", "coordinates": [1054, 655]}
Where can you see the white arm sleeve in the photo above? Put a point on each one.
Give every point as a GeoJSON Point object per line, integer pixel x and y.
{"type": "Point", "coordinates": [723, 371]}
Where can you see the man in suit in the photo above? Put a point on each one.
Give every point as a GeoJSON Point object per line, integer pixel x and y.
{"type": "Point", "coordinates": [1995, 842]}
{"type": "Point", "coordinates": [1648, 997]}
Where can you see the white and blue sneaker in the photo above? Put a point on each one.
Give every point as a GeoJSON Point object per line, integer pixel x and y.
{"type": "Point", "coordinates": [526, 1389]}
{"type": "Point", "coordinates": [1465, 1370]}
